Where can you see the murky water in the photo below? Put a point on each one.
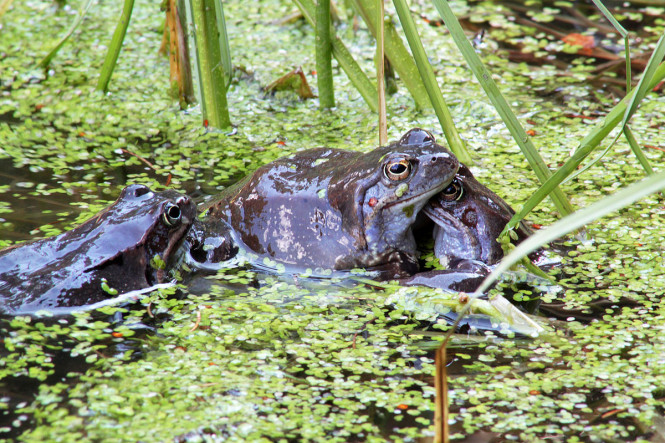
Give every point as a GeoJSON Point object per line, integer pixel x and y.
{"type": "Point", "coordinates": [241, 356]}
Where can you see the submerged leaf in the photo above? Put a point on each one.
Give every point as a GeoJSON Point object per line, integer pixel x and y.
{"type": "Point", "coordinates": [293, 81]}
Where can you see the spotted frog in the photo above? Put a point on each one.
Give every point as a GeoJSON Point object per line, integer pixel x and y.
{"type": "Point", "coordinates": [468, 217]}
{"type": "Point", "coordinates": [334, 209]}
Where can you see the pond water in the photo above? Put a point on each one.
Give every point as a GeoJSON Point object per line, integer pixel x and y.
{"type": "Point", "coordinates": [242, 356]}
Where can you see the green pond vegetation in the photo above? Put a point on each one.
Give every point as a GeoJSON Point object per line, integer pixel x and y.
{"type": "Point", "coordinates": [219, 358]}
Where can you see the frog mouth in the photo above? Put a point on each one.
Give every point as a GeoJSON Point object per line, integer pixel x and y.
{"type": "Point", "coordinates": [456, 237]}
{"type": "Point", "coordinates": [173, 254]}
{"type": "Point", "coordinates": [423, 196]}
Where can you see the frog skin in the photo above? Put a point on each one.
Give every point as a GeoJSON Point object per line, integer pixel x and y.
{"type": "Point", "coordinates": [468, 219]}
{"type": "Point", "coordinates": [116, 246]}
{"type": "Point", "coordinates": [209, 243]}
{"type": "Point", "coordinates": [335, 209]}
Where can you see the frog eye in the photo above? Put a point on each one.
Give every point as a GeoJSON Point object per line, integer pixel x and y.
{"type": "Point", "coordinates": [454, 191]}
{"type": "Point", "coordinates": [172, 215]}
{"type": "Point", "coordinates": [397, 170]}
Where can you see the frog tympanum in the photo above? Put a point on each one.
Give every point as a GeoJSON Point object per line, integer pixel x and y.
{"type": "Point", "coordinates": [125, 247]}
{"type": "Point", "coordinates": [336, 209]}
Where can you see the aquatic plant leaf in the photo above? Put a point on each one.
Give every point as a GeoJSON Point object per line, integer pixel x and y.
{"type": "Point", "coordinates": [485, 79]}
{"type": "Point", "coordinates": [79, 18]}
{"type": "Point", "coordinates": [292, 81]}
{"type": "Point", "coordinates": [585, 42]}
{"type": "Point", "coordinates": [599, 209]}
{"type": "Point", "coordinates": [427, 304]}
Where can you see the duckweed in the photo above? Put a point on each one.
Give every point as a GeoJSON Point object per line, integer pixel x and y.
{"type": "Point", "coordinates": [242, 356]}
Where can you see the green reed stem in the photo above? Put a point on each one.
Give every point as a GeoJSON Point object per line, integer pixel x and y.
{"type": "Point", "coordinates": [429, 80]}
{"type": "Point", "coordinates": [380, 77]}
{"type": "Point", "coordinates": [349, 65]}
{"type": "Point", "coordinates": [324, 75]}
{"type": "Point", "coordinates": [114, 48]}
{"type": "Point", "coordinates": [224, 49]}
{"type": "Point", "coordinates": [211, 74]}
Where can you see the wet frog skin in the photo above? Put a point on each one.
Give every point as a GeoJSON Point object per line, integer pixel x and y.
{"type": "Point", "coordinates": [117, 245]}
{"type": "Point", "coordinates": [468, 218]}
{"type": "Point", "coordinates": [336, 209]}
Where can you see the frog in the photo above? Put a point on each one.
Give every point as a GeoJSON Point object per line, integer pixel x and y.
{"type": "Point", "coordinates": [331, 209]}
{"type": "Point", "coordinates": [467, 219]}
{"type": "Point", "coordinates": [127, 246]}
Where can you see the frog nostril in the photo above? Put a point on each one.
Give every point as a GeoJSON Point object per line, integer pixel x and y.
{"type": "Point", "coordinates": [438, 159]}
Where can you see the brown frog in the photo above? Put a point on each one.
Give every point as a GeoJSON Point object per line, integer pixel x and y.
{"type": "Point", "coordinates": [333, 209]}
{"type": "Point", "coordinates": [125, 247]}
{"type": "Point", "coordinates": [468, 217]}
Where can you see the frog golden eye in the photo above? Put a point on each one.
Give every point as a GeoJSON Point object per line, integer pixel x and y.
{"type": "Point", "coordinates": [454, 191]}
{"type": "Point", "coordinates": [172, 215]}
{"type": "Point", "coordinates": [397, 170]}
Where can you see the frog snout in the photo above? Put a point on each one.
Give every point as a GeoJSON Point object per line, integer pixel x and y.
{"type": "Point", "coordinates": [444, 162]}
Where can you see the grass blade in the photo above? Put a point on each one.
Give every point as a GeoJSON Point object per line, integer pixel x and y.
{"type": "Point", "coordinates": [485, 79]}
{"type": "Point", "coordinates": [590, 142]}
{"type": "Point", "coordinates": [599, 209]}
{"type": "Point", "coordinates": [622, 31]}
{"type": "Point", "coordinates": [324, 75]}
{"type": "Point", "coordinates": [79, 18]}
{"type": "Point", "coordinates": [114, 48]}
{"type": "Point", "coordinates": [635, 147]}
{"type": "Point", "coordinates": [352, 69]}
{"type": "Point", "coordinates": [429, 80]}
{"type": "Point", "coordinates": [643, 86]}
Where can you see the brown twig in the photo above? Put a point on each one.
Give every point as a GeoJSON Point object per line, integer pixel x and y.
{"type": "Point", "coordinates": [353, 345]}
{"type": "Point", "coordinates": [140, 158]}
{"type": "Point", "coordinates": [198, 321]}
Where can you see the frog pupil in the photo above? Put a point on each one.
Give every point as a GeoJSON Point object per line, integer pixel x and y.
{"type": "Point", "coordinates": [398, 170]}
{"type": "Point", "coordinates": [454, 190]}
{"type": "Point", "coordinates": [450, 190]}
{"type": "Point", "coordinates": [172, 215]}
